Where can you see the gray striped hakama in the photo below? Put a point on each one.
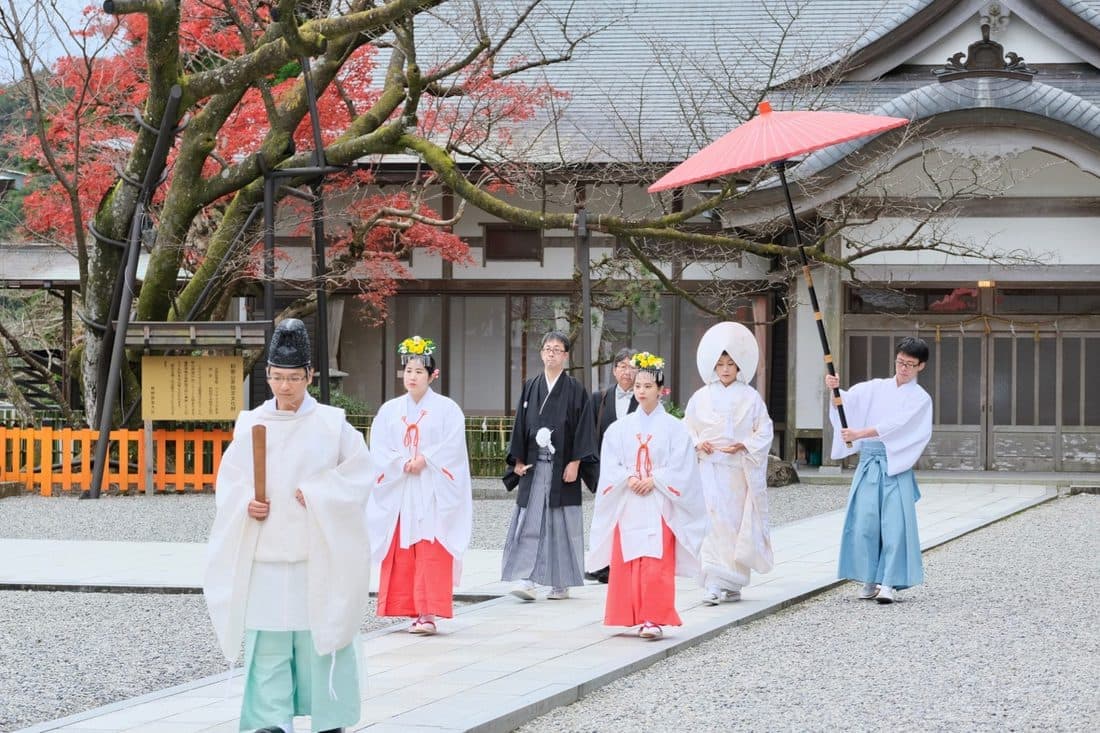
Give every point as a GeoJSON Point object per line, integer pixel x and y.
{"type": "Point", "coordinates": [545, 544]}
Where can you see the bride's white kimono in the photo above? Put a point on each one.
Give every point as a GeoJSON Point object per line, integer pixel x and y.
{"type": "Point", "coordinates": [735, 485]}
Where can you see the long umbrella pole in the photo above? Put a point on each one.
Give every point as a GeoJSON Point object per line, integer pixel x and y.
{"type": "Point", "coordinates": [837, 401]}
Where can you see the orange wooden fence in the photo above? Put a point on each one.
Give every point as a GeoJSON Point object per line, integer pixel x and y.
{"type": "Point", "coordinates": [48, 459]}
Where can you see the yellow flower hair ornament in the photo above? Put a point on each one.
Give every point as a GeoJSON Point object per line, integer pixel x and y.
{"type": "Point", "coordinates": [416, 346]}
{"type": "Point", "coordinates": [647, 361]}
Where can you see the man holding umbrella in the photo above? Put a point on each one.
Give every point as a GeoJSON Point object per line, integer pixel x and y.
{"type": "Point", "coordinates": [879, 545]}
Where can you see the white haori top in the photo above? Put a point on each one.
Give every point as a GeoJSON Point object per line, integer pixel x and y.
{"type": "Point", "coordinates": [437, 503]}
{"type": "Point", "coordinates": [642, 445]}
{"type": "Point", "coordinates": [901, 415]}
{"type": "Point", "coordinates": [317, 451]}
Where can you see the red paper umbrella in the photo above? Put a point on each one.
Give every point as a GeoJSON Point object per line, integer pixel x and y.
{"type": "Point", "coordinates": [770, 137]}
{"type": "Point", "coordinates": [776, 137]}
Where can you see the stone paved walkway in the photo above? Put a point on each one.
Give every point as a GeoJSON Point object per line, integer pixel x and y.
{"type": "Point", "coordinates": [499, 663]}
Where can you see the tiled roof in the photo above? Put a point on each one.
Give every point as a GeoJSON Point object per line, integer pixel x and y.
{"type": "Point", "coordinates": [974, 93]}
{"type": "Point", "coordinates": [871, 96]}
{"type": "Point", "coordinates": [660, 80]}
{"type": "Point", "coordinates": [1088, 10]}
{"type": "Point", "coordinates": [30, 263]}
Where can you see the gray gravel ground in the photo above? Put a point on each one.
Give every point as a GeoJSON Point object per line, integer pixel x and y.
{"type": "Point", "coordinates": [1002, 637]}
{"type": "Point", "coordinates": [163, 518]}
{"type": "Point", "coordinates": [66, 652]}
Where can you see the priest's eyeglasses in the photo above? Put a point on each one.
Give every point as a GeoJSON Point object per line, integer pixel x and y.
{"type": "Point", "coordinates": [555, 350]}
{"type": "Point", "coordinates": [902, 363]}
{"type": "Point", "coordinates": [279, 379]}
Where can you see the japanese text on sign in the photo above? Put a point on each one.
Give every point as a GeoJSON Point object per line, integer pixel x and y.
{"type": "Point", "coordinates": [191, 387]}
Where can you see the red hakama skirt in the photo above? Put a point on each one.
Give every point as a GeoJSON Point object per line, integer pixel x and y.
{"type": "Point", "coordinates": [416, 581]}
{"type": "Point", "coordinates": [643, 589]}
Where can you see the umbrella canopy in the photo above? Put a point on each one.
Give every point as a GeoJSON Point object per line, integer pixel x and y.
{"type": "Point", "coordinates": [770, 137]}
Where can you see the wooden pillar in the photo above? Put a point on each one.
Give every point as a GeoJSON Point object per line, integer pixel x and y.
{"type": "Point", "coordinates": [66, 344]}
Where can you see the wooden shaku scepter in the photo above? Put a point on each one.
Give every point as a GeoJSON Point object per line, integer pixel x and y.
{"type": "Point", "coordinates": [259, 461]}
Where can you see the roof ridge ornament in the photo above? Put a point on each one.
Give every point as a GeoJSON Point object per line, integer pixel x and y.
{"type": "Point", "coordinates": [985, 58]}
{"type": "Point", "coordinates": [996, 15]}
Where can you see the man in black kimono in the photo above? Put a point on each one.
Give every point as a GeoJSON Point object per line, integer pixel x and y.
{"type": "Point", "coordinates": [610, 404]}
{"type": "Point", "coordinates": [552, 435]}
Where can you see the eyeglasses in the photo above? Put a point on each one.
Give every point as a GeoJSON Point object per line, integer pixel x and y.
{"type": "Point", "coordinates": [556, 351]}
{"type": "Point", "coordinates": [907, 364]}
{"type": "Point", "coordinates": [625, 365]}
{"type": "Point", "coordinates": [278, 379]}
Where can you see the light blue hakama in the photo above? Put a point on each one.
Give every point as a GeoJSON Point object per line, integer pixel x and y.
{"type": "Point", "coordinates": [880, 543]}
{"type": "Point", "coordinates": [286, 677]}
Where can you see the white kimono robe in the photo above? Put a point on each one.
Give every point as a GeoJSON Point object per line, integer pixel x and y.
{"type": "Point", "coordinates": [437, 503]}
{"type": "Point", "coordinates": [677, 497]}
{"type": "Point", "coordinates": [735, 485]}
{"type": "Point", "coordinates": [901, 415]}
{"type": "Point", "coordinates": [317, 451]}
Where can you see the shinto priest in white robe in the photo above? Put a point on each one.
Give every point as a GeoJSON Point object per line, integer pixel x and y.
{"type": "Point", "coordinates": [300, 564]}
{"type": "Point", "coordinates": [677, 498]}
{"type": "Point", "coordinates": [735, 485]}
{"type": "Point", "coordinates": [437, 503]}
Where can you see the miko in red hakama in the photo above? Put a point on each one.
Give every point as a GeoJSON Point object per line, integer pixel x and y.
{"type": "Point", "coordinates": [419, 523]}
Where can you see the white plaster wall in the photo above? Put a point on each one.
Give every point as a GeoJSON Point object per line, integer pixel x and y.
{"type": "Point", "coordinates": [470, 223]}
{"type": "Point", "coordinates": [1019, 37]}
{"type": "Point", "coordinates": [635, 202]}
{"type": "Point", "coordinates": [1037, 173]}
{"type": "Point", "coordinates": [557, 265]}
{"type": "Point", "coordinates": [1000, 159]}
{"type": "Point", "coordinates": [809, 384]}
{"type": "Point", "coordinates": [630, 201]}
{"type": "Point", "coordinates": [293, 263]}
{"type": "Point", "coordinates": [426, 265]}
{"type": "Point", "coordinates": [1009, 169]}
{"type": "Point", "coordinates": [750, 268]}
{"type": "Point", "coordinates": [1049, 240]}
{"type": "Point", "coordinates": [598, 252]}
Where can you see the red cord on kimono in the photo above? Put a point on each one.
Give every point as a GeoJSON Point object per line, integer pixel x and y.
{"type": "Point", "coordinates": [643, 464]}
{"type": "Point", "coordinates": [412, 433]}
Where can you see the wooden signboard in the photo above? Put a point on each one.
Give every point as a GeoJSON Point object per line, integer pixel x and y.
{"type": "Point", "coordinates": [191, 387]}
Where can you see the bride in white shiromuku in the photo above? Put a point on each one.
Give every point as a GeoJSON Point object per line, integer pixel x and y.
{"type": "Point", "coordinates": [732, 431]}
